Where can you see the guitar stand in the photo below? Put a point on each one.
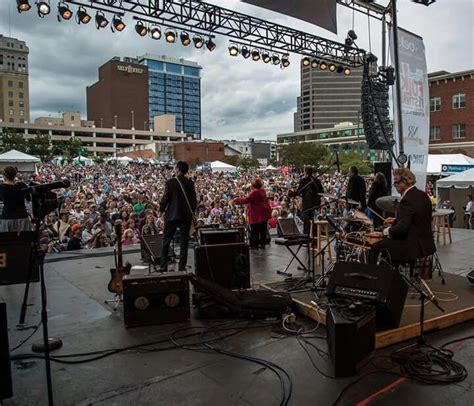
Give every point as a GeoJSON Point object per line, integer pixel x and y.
{"type": "Point", "coordinates": [118, 298]}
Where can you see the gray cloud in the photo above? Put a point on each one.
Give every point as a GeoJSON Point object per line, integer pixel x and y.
{"type": "Point", "coordinates": [240, 98]}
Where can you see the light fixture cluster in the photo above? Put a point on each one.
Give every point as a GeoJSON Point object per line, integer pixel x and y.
{"type": "Point", "coordinates": [257, 54]}
{"type": "Point", "coordinates": [322, 65]}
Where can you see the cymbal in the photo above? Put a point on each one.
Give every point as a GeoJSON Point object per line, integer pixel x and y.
{"type": "Point", "coordinates": [388, 203]}
{"type": "Point", "coordinates": [338, 198]}
{"type": "Point", "coordinates": [358, 216]}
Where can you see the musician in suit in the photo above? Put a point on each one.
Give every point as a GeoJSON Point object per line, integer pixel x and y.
{"type": "Point", "coordinates": [409, 235]}
{"type": "Point", "coordinates": [356, 189]}
{"type": "Point", "coordinates": [309, 189]}
{"type": "Point", "coordinates": [178, 205]}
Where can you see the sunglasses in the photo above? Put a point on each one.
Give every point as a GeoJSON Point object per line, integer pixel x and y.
{"type": "Point", "coordinates": [397, 182]}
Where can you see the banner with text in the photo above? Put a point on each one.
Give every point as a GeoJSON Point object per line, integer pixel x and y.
{"type": "Point", "coordinates": [415, 103]}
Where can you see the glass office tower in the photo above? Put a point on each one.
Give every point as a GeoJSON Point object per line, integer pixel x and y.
{"type": "Point", "coordinates": [175, 88]}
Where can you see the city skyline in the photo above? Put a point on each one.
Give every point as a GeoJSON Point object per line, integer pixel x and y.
{"type": "Point", "coordinates": [241, 99]}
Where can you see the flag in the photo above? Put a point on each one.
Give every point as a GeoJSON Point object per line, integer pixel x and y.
{"type": "Point", "coordinates": [318, 12]}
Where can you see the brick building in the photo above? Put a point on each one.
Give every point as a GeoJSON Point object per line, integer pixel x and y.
{"type": "Point", "coordinates": [452, 112]}
{"type": "Point", "coordinates": [197, 152]}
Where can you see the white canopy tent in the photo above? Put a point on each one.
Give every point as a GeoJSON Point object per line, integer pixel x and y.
{"type": "Point", "coordinates": [22, 161]}
{"type": "Point", "coordinates": [83, 160]}
{"type": "Point", "coordinates": [435, 162]}
{"type": "Point", "coordinates": [218, 166]}
{"type": "Point", "coordinates": [456, 188]}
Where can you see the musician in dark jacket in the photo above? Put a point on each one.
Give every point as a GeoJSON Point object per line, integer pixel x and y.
{"type": "Point", "coordinates": [178, 205]}
{"type": "Point", "coordinates": [378, 189]}
{"type": "Point", "coordinates": [409, 236]}
{"type": "Point", "coordinates": [356, 187]}
{"type": "Point", "coordinates": [309, 189]}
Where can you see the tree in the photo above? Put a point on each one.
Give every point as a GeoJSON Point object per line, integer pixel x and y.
{"type": "Point", "coordinates": [12, 140]}
{"type": "Point", "coordinates": [304, 153]}
{"type": "Point", "coordinates": [348, 159]}
{"type": "Point", "coordinates": [40, 146]}
{"type": "Point", "coordinates": [242, 162]}
{"type": "Point", "coordinates": [69, 149]}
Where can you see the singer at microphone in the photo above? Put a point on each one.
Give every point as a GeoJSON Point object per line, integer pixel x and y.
{"type": "Point", "coordinates": [14, 216]}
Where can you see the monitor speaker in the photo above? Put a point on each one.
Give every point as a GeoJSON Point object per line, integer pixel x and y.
{"type": "Point", "coordinates": [16, 258]}
{"type": "Point", "coordinates": [150, 246]}
{"type": "Point", "coordinates": [6, 390]}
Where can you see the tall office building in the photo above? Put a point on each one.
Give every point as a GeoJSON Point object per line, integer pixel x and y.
{"type": "Point", "coordinates": [175, 88]}
{"type": "Point", "coordinates": [14, 89]}
{"type": "Point", "coordinates": [327, 98]}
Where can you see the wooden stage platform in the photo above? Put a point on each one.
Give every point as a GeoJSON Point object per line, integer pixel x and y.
{"type": "Point", "coordinates": [456, 297]}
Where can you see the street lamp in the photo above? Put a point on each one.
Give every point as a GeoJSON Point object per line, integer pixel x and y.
{"type": "Point", "coordinates": [133, 119]}
{"type": "Point", "coordinates": [101, 122]}
{"type": "Point", "coordinates": [115, 118]}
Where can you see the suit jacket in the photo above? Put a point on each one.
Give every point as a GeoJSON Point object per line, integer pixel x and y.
{"type": "Point", "coordinates": [412, 226]}
{"type": "Point", "coordinates": [309, 189]}
{"type": "Point", "coordinates": [356, 190]}
{"type": "Point", "coordinates": [173, 202]}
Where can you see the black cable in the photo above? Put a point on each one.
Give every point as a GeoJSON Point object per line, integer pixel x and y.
{"type": "Point", "coordinates": [457, 341]}
{"type": "Point", "coordinates": [22, 343]}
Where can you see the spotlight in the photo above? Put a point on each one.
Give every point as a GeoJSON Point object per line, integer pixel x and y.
{"type": "Point", "coordinates": [371, 58]}
{"type": "Point", "coordinates": [332, 67]}
{"type": "Point", "coordinates": [43, 8]}
{"type": "Point", "coordinates": [141, 29]}
{"type": "Point", "coordinates": [64, 12]}
{"type": "Point", "coordinates": [210, 45]}
{"type": "Point", "coordinates": [22, 5]}
{"type": "Point", "coordinates": [255, 55]}
{"type": "Point", "coordinates": [233, 50]}
{"type": "Point", "coordinates": [306, 61]}
{"type": "Point", "coordinates": [323, 65]}
{"type": "Point", "coordinates": [285, 61]}
{"type": "Point", "coordinates": [118, 24]}
{"type": "Point", "coordinates": [155, 32]}
{"type": "Point", "coordinates": [100, 20]}
{"type": "Point", "coordinates": [185, 39]}
{"type": "Point", "coordinates": [170, 36]}
{"type": "Point", "coordinates": [275, 59]}
{"type": "Point", "coordinates": [314, 63]}
{"type": "Point", "coordinates": [198, 41]}
{"type": "Point", "coordinates": [352, 35]}
{"type": "Point", "coordinates": [82, 16]}
{"type": "Point", "coordinates": [245, 52]}
{"type": "Point", "coordinates": [424, 2]}
{"type": "Point", "coordinates": [340, 69]}
{"type": "Point", "coordinates": [347, 71]}
{"type": "Point", "coordinates": [266, 57]}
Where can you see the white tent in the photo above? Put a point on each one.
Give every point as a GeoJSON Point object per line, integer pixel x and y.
{"type": "Point", "coordinates": [456, 188]}
{"type": "Point", "coordinates": [435, 162]}
{"type": "Point", "coordinates": [124, 160]}
{"type": "Point", "coordinates": [24, 162]}
{"type": "Point", "coordinates": [83, 160]}
{"type": "Point", "coordinates": [219, 166]}
{"type": "Point", "coordinates": [271, 168]}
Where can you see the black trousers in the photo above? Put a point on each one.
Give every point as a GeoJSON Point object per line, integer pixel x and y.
{"type": "Point", "coordinates": [258, 234]}
{"type": "Point", "coordinates": [168, 234]}
{"type": "Point", "coordinates": [308, 217]}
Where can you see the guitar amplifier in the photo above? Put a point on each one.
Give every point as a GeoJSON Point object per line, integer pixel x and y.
{"type": "Point", "coordinates": [221, 236]}
{"type": "Point", "coordinates": [155, 299]}
{"type": "Point", "coordinates": [6, 390]}
{"type": "Point", "coordinates": [150, 246]}
{"type": "Point", "coordinates": [16, 256]}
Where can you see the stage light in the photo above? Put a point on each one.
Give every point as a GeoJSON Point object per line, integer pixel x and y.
{"type": "Point", "coordinates": [198, 41]}
{"type": "Point", "coordinates": [315, 63]}
{"type": "Point", "coordinates": [141, 29]}
{"type": "Point", "coordinates": [118, 24]}
{"type": "Point", "coordinates": [323, 65]}
{"type": "Point", "coordinates": [170, 36]}
{"type": "Point", "coordinates": [82, 16]}
{"type": "Point", "coordinates": [275, 59]}
{"type": "Point", "coordinates": [245, 52]}
{"type": "Point", "coordinates": [347, 71]}
{"type": "Point", "coordinates": [352, 35]}
{"type": "Point", "coordinates": [255, 55]}
{"type": "Point", "coordinates": [22, 5]}
{"type": "Point", "coordinates": [306, 61]}
{"type": "Point", "coordinates": [100, 20]}
{"type": "Point", "coordinates": [210, 45]}
{"type": "Point", "coordinates": [371, 58]}
{"type": "Point", "coordinates": [155, 32]}
{"type": "Point", "coordinates": [185, 39]}
{"type": "Point", "coordinates": [233, 50]}
{"type": "Point", "coordinates": [332, 67]}
{"type": "Point", "coordinates": [424, 2]}
{"type": "Point", "coordinates": [266, 58]}
{"type": "Point", "coordinates": [285, 61]}
{"type": "Point", "coordinates": [64, 12]}
{"type": "Point", "coordinates": [340, 69]}
{"type": "Point", "coordinates": [43, 8]}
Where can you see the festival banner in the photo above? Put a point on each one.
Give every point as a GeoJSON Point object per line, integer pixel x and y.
{"type": "Point", "coordinates": [415, 103]}
{"type": "Point", "coordinates": [321, 13]}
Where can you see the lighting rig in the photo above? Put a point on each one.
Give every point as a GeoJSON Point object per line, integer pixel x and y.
{"type": "Point", "coordinates": [267, 56]}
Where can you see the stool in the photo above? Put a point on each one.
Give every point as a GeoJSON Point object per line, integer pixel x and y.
{"type": "Point", "coordinates": [321, 234]}
{"type": "Point", "coordinates": [442, 228]}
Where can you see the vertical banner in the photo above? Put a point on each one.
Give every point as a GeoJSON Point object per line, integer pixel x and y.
{"type": "Point", "coordinates": [415, 103]}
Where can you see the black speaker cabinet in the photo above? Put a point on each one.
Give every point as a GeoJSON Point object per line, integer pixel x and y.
{"type": "Point", "coordinates": [6, 390]}
{"type": "Point", "coordinates": [226, 264]}
{"type": "Point", "coordinates": [155, 299]}
{"type": "Point", "coordinates": [379, 284]}
{"type": "Point", "coordinates": [15, 258]}
{"type": "Point", "coordinates": [209, 236]}
{"type": "Point", "coordinates": [150, 246]}
{"type": "Point", "coordinates": [351, 339]}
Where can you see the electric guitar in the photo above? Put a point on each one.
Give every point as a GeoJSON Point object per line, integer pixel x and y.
{"type": "Point", "coordinates": [117, 273]}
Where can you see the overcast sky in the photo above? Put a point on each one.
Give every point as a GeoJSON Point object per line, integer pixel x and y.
{"type": "Point", "coordinates": [240, 98]}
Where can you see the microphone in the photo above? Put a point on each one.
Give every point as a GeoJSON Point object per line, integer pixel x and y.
{"type": "Point", "coordinates": [46, 187]}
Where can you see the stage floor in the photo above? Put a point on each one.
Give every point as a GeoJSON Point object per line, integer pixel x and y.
{"type": "Point", "coordinates": [77, 314]}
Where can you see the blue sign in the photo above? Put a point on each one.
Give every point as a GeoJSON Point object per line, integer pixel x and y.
{"type": "Point", "coordinates": [455, 168]}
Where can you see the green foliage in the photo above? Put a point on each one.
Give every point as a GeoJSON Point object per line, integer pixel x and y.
{"type": "Point", "coordinates": [39, 146]}
{"type": "Point", "coordinates": [304, 153]}
{"type": "Point", "coordinates": [99, 159]}
{"type": "Point", "coordinates": [70, 149]}
{"type": "Point", "coordinates": [12, 140]}
{"type": "Point", "coordinates": [242, 162]}
{"type": "Point", "coordinates": [348, 159]}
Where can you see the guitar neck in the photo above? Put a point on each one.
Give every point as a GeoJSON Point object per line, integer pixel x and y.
{"type": "Point", "coordinates": [118, 231]}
